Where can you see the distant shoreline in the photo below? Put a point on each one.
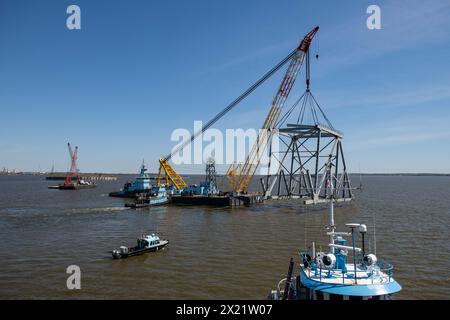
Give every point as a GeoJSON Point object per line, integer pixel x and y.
{"type": "Point", "coordinates": [402, 174]}
{"type": "Point", "coordinates": [202, 174]}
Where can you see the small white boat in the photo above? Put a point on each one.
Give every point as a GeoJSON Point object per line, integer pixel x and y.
{"type": "Point", "coordinates": [146, 243]}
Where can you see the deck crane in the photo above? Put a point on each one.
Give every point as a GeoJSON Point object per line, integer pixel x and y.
{"type": "Point", "coordinates": [241, 176]}
{"type": "Point", "coordinates": [73, 165]}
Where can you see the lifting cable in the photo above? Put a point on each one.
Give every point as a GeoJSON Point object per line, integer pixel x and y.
{"type": "Point", "coordinates": [232, 104]}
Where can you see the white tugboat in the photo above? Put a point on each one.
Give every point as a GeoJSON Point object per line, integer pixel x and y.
{"type": "Point", "coordinates": [332, 276]}
{"type": "Point", "coordinates": [146, 243]}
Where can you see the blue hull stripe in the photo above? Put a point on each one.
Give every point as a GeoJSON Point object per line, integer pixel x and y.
{"type": "Point", "coordinates": [351, 290]}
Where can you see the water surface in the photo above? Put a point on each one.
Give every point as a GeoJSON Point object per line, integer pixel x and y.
{"type": "Point", "coordinates": [214, 253]}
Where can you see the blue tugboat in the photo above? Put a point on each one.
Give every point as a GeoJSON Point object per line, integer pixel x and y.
{"type": "Point", "coordinates": [146, 243]}
{"type": "Point", "coordinates": [140, 185]}
{"type": "Point", "coordinates": [204, 188]}
{"type": "Point", "coordinates": [156, 197]}
{"type": "Point", "coordinates": [332, 276]}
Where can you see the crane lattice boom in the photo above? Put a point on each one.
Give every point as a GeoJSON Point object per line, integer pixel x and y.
{"type": "Point", "coordinates": [241, 178]}
{"type": "Point", "coordinates": [73, 165]}
{"type": "Point", "coordinates": [167, 173]}
{"type": "Point", "coordinates": [241, 175]}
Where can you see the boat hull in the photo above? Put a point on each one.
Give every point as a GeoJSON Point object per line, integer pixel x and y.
{"type": "Point", "coordinates": [141, 251]}
{"type": "Point", "coordinates": [127, 194]}
{"type": "Point", "coordinates": [218, 200]}
{"type": "Point", "coordinates": [146, 205]}
{"type": "Point", "coordinates": [76, 186]}
{"type": "Point", "coordinates": [73, 186]}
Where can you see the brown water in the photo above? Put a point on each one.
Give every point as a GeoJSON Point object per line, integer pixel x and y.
{"type": "Point", "coordinates": [213, 252]}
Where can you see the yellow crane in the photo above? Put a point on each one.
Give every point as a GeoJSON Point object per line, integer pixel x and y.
{"type": "Point", "coordinates": [167, 173]}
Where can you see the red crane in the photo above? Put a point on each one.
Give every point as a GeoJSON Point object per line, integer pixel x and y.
{"type": "Point", "coordinates": [73, 166]}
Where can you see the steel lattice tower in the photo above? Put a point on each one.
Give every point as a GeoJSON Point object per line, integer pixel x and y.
{"type": "Point", "coordinates": [211, 177]}
{"type": "Point", "coordinates": [309, 144]}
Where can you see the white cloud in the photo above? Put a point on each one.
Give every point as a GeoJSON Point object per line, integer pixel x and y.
{"type": "Point", "coordinates": [403, 131]}
{"type": "Point", "coordinates": [405, 25]}
{"type": "Point", "coordinates": [383, 97]}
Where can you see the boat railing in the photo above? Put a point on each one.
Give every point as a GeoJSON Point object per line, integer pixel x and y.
{"type": "Point", "coordinates": [386, 268]}
{"type": "Point", "coordinates": [279, 291]}
{"type": "Point", "coordinates": [382, 266]}
{"type": "Point", "coordinates": [281, 287]}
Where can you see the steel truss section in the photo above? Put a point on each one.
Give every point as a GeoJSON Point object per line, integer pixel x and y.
{"type": "Point", "coordinates": [311, 154]}
{"type": "Point", "coordinates": [302, 173]}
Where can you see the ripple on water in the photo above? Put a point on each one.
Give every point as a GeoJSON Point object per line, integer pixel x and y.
{"type": "Point", "coordinates": [213, 252]}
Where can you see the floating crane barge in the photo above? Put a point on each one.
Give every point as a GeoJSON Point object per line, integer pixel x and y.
{"type": "Point", "coordinates": [73, 180]}
{"type": "Point", "coordinates": [240, 176]}
{"type": "Point", "coordinates": [208, 194]}
{"type": "Point", "coordinates": [299, 182]}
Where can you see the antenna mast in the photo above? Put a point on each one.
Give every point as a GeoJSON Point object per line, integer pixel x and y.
{"type": "Point", "coordinates": [331, 197]}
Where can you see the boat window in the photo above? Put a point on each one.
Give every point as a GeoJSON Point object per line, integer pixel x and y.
{"type": "Point", "coordinates": [355, 298]}
{"type": "Point", "coordinates": [336, 297]}
{"type": "Point", "coordinates": [374, 298]}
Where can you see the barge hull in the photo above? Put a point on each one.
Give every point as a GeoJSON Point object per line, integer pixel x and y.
{"type": "Point", "coordinates": [76, 187]}
{"type": "Point", "coordinates": [219, 201]}
{"type": "Point", "coordinates": [127, 194]}
{"type": "Point", "coordinates": [72, 187]}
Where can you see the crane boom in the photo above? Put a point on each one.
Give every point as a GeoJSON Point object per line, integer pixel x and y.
{"type": "Point", "coordinates": [73, 165]}
{"type": "Point", "coordinates": [235, 102]}
{"type": "Point", "coordinates": [168, 173]}
{"type": "Point", "coordinates": [241, 175]}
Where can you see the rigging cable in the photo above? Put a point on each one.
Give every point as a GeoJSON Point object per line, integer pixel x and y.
{"type": "Point", "coordinates": [233, 104]}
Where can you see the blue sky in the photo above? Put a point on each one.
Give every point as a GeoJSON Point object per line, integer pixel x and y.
{"type": "Point", "coordinates": [137, 70]}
